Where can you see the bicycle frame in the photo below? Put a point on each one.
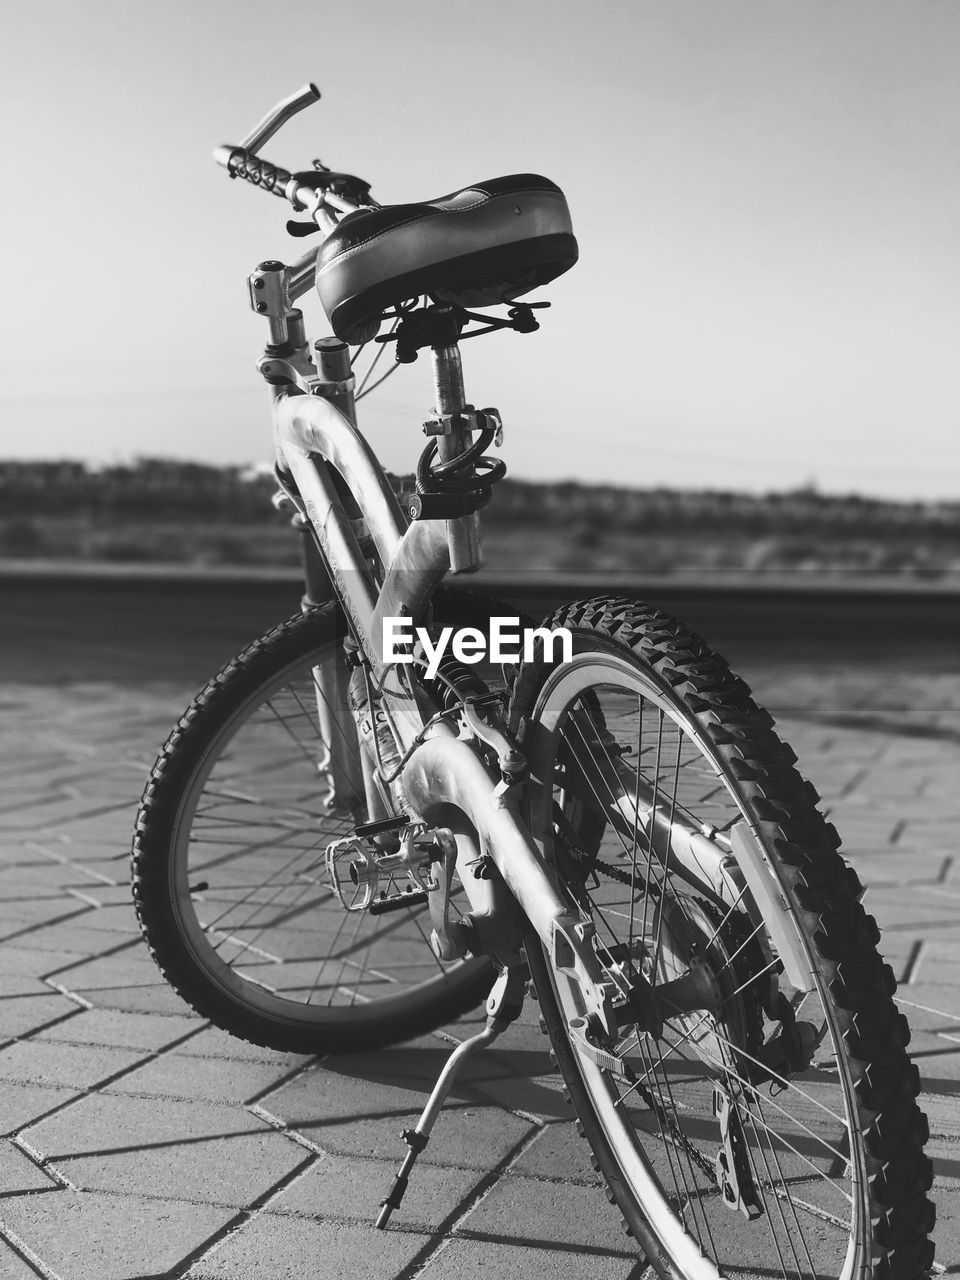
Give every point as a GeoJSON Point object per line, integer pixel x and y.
{"type": "Point", "coordinates": [312, 436]}
{"type": "Point", "coordinates": [443, 774]}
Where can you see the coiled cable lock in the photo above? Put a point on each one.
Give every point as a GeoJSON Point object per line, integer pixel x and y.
{"type": "Point", "coordinates": [463, 484]}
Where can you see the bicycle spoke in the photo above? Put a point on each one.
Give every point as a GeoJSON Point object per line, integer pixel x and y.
{"type": "Point", "coordinates": [747, 1084]}
{"type": "Point", "coordinates": [625, 774]}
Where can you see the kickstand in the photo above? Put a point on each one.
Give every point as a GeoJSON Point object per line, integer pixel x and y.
{"type": "Point", "coordinates": [503, 1007]}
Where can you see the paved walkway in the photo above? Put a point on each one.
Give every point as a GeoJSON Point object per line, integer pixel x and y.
{"type": "Point", "coordinates": [141, 1142]}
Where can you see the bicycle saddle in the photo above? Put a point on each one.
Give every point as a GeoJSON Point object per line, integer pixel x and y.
{"type": "Point", "coordinates": [485, 244]}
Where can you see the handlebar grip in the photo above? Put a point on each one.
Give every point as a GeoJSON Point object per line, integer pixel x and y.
{"type": "Point", "coordinates": [261, 173]}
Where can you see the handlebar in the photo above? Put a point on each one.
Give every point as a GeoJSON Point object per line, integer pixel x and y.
{"type": "Point", "coordinates": [315, 194]}
{"type": "Point", "coordinates": [243, 162]}
{"type": "Point", "coordinates": [279, 116]}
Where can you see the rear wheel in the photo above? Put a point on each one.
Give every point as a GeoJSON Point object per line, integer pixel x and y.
{"type": "Point", "coordinates": [760, 1129]}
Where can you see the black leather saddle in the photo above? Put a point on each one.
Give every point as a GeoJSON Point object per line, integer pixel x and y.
{"type": "Point", "coordinates": [485, 244]}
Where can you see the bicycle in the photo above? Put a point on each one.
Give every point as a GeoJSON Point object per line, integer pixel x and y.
{"type": "Point", "coordinates": [335, 852]}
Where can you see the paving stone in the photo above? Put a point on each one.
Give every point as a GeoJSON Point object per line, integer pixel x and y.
{"type": "Point", "coordinates": [21, 958]}
{"type": "Point", "coordinates": [116, 899]}
{"type": "Point", "coordinates": [70, 794]}
{"type": "Point", "coordinates": [18, 1173]}
{"type": "Point", "coordinates": [559, 1152]}
{"type": "Point", "coordinates": [342, 1188]}
{"type": "Point", "coordinates": [112, 861]}
{"type": "Point", "coordinates": [946, 1196]}
{"type": "Point", "coordinates": [17, 855]}
{"type": "Point", "coordinates": [84, 1236]}
{"type": "Point", "coordinates": [176, 1075]}
{"type": "Point", "coordinates": [46, 1062]}
{"type": "Point", "coordinates": [115, 924]}
{"type": "Point", "coordinates": [33, 1013]}
{"type": "Point", "coordinates": [12, 1264]}
{"type": "Point", "coordinates": [43, 814]}
{"type": "Point", "coordinates": [22, 883]}
{"type": "Point", "coordinates": [354, 1117]}
{"type": "Point", "coordinates": [211, 1042]}
{"type": "Point", "coordinates": [126, 1030]}
{"type": "Point", "coordinates": [196, 1151]}
{"type": "Point", "coordinates": [86, 939]}
{"type": "Point", "coordinates": [22, 1103]}
{"type": "Point", "coordinates": [540, 1095]}
{"type": "Point", "coordinates": [13, 985]}
{"type": "Point", "coordinates": [469, 1260]}
{"type": "Point", "coordinates": [941, 1111]}
{"type": "Point", "coordinates": [523, 1049]}
{"type": "Point", "coordinates": [548, 1214]}
{"type": "Point", "coordinates": [155, 998]}
{"type": "Point", "coordinates": [278, 1248]}
{"type": "Point", "coordinates": [900, 910]}
{"type": "Point", "coordinates": [945, 1008]}
{"type": "Point", "coordinates": [939, 1069]}
{"type": "Point", "coordinates": [933, 982]}
{"type": "Point", "coordinates": [946, 949]}
{"type": "Point", "coordinates": [907, 867]}
{"type": "Point", "coordinates": [422, 1059]}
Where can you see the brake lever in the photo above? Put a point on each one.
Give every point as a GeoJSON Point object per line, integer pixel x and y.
{"type": "Point", "coordinates": [301, 229]}
{"type": "Point", "coordinates": [346, 185]}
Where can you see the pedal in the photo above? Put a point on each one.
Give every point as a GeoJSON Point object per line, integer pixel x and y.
{"type": "Point", "coordinates": [366, 877]}
{"type": "Point", "coordinates": [399, 902]}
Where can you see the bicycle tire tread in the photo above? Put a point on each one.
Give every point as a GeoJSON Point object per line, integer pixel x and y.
{"type": "Point", "coordinates": [827, 892]}
{"type": "Point", "coordinates": [237, 680]}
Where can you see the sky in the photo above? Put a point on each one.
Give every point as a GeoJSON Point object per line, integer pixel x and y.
{"type": "Point", "coordinates": [765, 194]}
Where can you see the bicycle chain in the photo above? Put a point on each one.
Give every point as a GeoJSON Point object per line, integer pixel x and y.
{"type": "Point", "coordinates": [679, 1137]}
{"type": "Point", "coordinates": [632, 881]}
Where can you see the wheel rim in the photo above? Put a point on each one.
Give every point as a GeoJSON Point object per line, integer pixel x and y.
{"type": "Point", "coordinates": [814, 1218]}
{"type": "Point", "coordinates": [249, 888]}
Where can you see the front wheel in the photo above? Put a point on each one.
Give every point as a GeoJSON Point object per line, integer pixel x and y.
{"type": "Point", "coordinates": [745, 1126]}
{"type": "Point", "coordinates": [229, 875]}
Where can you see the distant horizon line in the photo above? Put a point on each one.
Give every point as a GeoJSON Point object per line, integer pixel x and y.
{"type": "Point", "coordinates": [255, 470]}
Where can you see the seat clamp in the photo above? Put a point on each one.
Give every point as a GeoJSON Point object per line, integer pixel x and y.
{"type": "Point", "coordinates": [467, 419]}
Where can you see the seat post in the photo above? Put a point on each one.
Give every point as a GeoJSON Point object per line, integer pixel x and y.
{"type": "Point", "coordinates": [463, 533]}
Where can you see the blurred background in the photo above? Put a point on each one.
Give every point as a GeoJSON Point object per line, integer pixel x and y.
{"type": "Point", "coordinates": [758, 336]}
